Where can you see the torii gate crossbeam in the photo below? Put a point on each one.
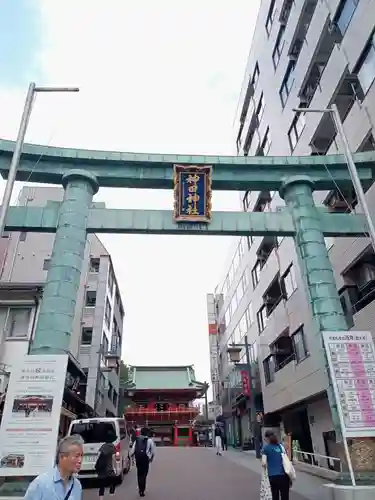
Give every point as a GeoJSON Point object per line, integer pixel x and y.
{"type": "Point", "coordinates": [82, 172]}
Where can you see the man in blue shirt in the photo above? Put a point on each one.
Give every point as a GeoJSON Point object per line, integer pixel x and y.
{"type": "Point", "coordinates": [60, 483]}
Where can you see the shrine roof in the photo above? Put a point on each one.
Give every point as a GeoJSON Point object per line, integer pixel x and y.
{"type": "Point", "coordinates": [156, 378]}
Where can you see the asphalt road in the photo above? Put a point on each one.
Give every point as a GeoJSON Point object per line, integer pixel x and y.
{"type": "Point", "coordinates": [191, 474]}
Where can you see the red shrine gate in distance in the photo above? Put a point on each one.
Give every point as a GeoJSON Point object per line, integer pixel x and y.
{"type": "Point", "coordinates": [162, 399]}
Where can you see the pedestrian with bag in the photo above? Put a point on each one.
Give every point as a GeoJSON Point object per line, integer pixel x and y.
{"type": "Point", "coordinates": [60, 481]}
{"type": "Point", "coordinates": [280, 470]}
{"type": "Point", "coordinates": [144, 452]}
{"type": "Point", "coordinates": [106, 469]}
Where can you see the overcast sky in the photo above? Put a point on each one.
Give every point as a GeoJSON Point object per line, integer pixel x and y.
{"type": "Point", "coordinates": [155, 76]}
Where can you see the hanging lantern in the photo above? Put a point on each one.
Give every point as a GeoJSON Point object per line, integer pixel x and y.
{"type": "Point", "coordinates": [234, 354]}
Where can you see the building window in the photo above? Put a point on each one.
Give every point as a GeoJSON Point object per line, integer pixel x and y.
{"type": "Point", "coordinates": [255, 273]}
{"type": "Point", "coordinates": [23, 236]}
{"type": "Point", "coordinates": [246, 201]}
{"type": "Point", "coordinates": [86, 336]}
{"type": "Point", "coordinates": [279, 45]}
{"type": "Point", "coordinates": [287, 84]}
{"type": "Point", "coordinates": [250, 241]}
{"type": "Point", "coordinates": [244, 282]}
{"type": "Point", "coordinates": [108, 311]}
{"type": "Point", "coordinates": [289, 282]}
{"type": "Point", "coordinates": [90, 298]}
{"type": "Point", "coordinates": [296, 129]}
{"type": "Point", "coordinates": [299, 344]}
{"type": "Point", "coordinates": [46, 264]}
{"type": "Point", "coordinates": [270, 17]}
{"type": "Point", "coordinates": [227, 317]}
{"type": "Point", "coordinates": [269, 369]}
{"type": "Point", "coordinates": [345, 13]}
{"type": "Point", "coordinates": [6, 234]}
{"type": "Point", "coordinates": [254, 352]}
{"type": "Point", "coordinates": [262, 318]}
{"type": "Point", "coordinates": [266, 143]}
{"type": "Point", "coordinates": [249, 313]}
{"type": "Point", "coordinates": [366, 71]}
{"type": "Point", "coordinates": [110, 281]}
{"type": "Point", "coordinates": [18, 322]}
{"type": "Point", "coordinates": [255, 77]}
{"type": "Point", "coordinates": [260, 109]}
{"type": "Point", "coordinates": [94, 265]}
{"type": "Point", "coordinates": [285, 11]}
{"type": "Point", "coordinates": [104, 344]}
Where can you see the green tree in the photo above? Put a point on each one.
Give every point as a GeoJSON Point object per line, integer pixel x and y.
{"type": "Point", "coordinates": [124, 373]}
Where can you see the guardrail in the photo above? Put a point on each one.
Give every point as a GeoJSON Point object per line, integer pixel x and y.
{"type": "Point", "coordinates": [323, 461]}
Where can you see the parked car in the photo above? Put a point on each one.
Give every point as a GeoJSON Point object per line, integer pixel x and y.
{"type": "Point", "coordinates": [95, 432]}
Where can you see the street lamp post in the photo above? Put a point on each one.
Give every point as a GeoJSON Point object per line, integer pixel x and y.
{"type": "Point", "coordinates": [32, 91]}
{"type": "Point", "coordinates": [234, 353]}
{"type": "Point", "coordinates": [206, 401]}
{"type": "Point", "coordinates": [333, 110]}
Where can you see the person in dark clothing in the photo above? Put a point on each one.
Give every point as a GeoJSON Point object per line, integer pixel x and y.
{"type": "Point", "coordinates": [105, 467]}
{"type": "Point", "coordinates": [224, 441]}
{"type": "Point", "coordinates": [273, 462]}
{"type": "Point", "coordinates": [144, 451]}
{"type": "Point", "coordinates": [218, 439]}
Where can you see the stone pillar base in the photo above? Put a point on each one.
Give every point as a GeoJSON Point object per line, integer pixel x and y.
{"type": "Point", "coordinates": [362, 454]}
{"type": "Point", "coordinates": [343, 492]}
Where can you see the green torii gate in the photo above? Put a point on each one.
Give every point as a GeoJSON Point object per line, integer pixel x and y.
{"type": "Point", "coordinates": [82, 172]}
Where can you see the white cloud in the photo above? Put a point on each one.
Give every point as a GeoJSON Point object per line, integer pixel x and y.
{"type": "Point", "coordinates": [154, 77]}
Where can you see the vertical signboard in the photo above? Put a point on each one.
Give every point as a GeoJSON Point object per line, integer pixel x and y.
{"type": "Point", "coordinates": [213, 345]}
{"type": "Point", "coordinates": [351, 359]}
{"type": "Point", "coordinates": [30, 423]}
{"type": "Point", "coordinates": [245, 383]}
{"type": "Point", "coordinates": [192, 193]}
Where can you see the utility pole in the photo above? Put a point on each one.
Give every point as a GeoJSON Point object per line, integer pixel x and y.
{"type": "Point", "coordinates": [32, 91]}
{"type": "Point", "coordinates": [206, 402]}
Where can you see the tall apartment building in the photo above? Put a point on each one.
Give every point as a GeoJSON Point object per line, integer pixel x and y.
{"type": "Point", "coordinates": [97, 332]}
{"type": "Point", "coordinates": [310, 54]}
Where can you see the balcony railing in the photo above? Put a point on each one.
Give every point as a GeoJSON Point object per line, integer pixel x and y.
{"type": "Point", "coordinates": [152, 411]}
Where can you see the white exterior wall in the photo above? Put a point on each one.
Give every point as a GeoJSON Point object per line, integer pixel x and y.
{"type": "Point", "coordinates": [296, 383]}
{"type": "Point", "coordinates": [24, 263]}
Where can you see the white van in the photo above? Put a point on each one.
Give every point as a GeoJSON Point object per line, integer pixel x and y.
{"type": "Point", "coordinates": [95, 432]}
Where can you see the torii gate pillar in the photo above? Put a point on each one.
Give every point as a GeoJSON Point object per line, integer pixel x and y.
{"type": "Point", "coordinates": [57, 311]}
{"type": "Point", "coordinates": [327, 312]}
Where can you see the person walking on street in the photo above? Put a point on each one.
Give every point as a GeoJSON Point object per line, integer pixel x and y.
{"type": "Point", "coordinates": [224, 442]}
{"type": "Point", "coordinates": [272, 461]}
{"type": "Point", "coordinates": [106, 468]}
{"type": "Point", "coordinates": [144, 452]}
{"type": "Point", "coordinates": [133, 437]}
{"type": "Point", "coordinates": [218, 439]}
{"type": "Point", "coordinates": [60, 481]}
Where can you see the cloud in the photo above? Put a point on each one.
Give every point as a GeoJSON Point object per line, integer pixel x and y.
{"type": "Point", "coordinates": [154, 77]}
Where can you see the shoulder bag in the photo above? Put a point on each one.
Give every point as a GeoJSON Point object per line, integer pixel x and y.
{"type": "Point", "coordinates": [287, 464]}
{"type": "Point", "coordinates": [70, 491]}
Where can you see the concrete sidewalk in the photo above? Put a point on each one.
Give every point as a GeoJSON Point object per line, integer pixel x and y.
{"type": "Point", "coordinates": [306, 485]}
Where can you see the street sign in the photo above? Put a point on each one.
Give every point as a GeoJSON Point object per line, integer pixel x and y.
{"type": "Point", "coordinates": [351, 359]}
